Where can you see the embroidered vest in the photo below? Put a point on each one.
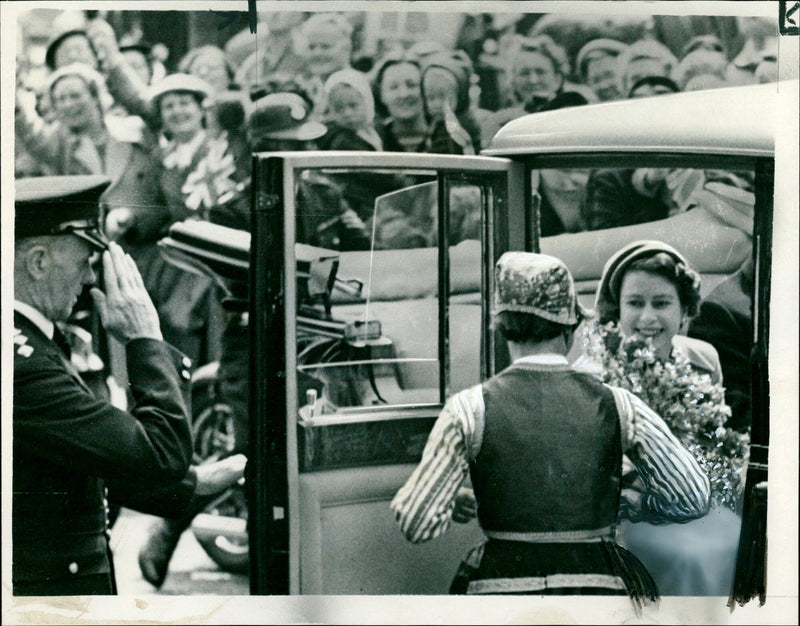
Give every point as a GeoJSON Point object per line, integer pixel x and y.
{"type": "Point", "coordinates": [551, 454]}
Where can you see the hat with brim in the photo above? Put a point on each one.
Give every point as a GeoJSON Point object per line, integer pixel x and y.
{"type": "Point", "coordinates": [283, 116]}
{"type": "Point", "coordinates": [60, 205]}
{"type": "Point", "coordinates": [52, 47]}
{"type": "Point", "coordinates": [180, 82]}
{"type": "Point", "coordinates": [607, 297]}
{"type": "Point", "coordinates": [536, 284]}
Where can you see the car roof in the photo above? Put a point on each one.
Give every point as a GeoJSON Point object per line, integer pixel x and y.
{"type": "Point", "coordinates": [726, 121]}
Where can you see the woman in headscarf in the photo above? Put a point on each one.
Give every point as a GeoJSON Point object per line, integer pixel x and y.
{"type": "Point", "coordinates": [452, 128]}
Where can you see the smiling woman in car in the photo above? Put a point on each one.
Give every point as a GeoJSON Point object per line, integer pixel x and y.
{"type": "Point", "coordinates": [647, 295]}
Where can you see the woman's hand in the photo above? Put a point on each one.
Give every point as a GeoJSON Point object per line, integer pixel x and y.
{"type": "Point", "coordinates": [466, 506]}
{"type": "Point", "coordinates": [104, 41]}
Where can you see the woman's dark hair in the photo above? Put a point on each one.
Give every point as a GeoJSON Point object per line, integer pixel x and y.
{"type": "Point", "coordinates": [518, 326]}
{"type": "Point", "coordinates": [704, 42]}
{"type": "Point", "coordinates": [684, 278]}
{"type": "Point", "coordinates": [280, 82]}
{"type": "Point", "coordinates": [652, 81]}
{"type": "Point", "coordinates": [562, 100]}
{"type": "Point", "coordinates": [397, 59]}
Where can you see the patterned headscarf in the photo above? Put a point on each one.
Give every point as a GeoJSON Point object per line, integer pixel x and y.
{"type": "Point", "coordinates": [537, 284]}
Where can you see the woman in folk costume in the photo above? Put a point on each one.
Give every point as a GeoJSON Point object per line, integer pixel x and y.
{"type": "Point", "coordinates": [647, 295]}
{"type": "Point", "coordinates": [542, 443]}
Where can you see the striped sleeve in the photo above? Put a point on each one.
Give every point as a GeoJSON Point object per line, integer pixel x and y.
{"type": "Point", "coordinates": [424, 505]}
{"type": "Point", "coordinates": [676, 489]}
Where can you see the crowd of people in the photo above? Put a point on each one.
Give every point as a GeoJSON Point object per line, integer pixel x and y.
{"type": "Point", "coordinates": [177, 145]}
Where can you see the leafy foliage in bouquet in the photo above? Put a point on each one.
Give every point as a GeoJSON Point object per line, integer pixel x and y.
{"type": "Point", "coordinates": [688, 401]}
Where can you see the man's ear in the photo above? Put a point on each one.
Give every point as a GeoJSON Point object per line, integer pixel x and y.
{"type": "Point", "coordinates": [37, 259]}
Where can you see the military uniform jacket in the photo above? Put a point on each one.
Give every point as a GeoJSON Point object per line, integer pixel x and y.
{"type": "Point", "coordinates": [71, 449]}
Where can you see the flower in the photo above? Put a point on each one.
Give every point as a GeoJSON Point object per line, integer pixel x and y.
{"type": "Point", "coordinates": [688, 401]}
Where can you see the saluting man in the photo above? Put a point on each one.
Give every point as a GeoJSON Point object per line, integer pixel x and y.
{"type": "Point", "coordinates": [71, 450]}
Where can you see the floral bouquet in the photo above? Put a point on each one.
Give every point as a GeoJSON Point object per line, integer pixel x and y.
{"type": "Point", "coordinates": [689, 402]}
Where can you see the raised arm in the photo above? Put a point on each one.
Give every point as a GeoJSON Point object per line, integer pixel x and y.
{"type": "Point", "coordinates": [675, 488]}
{"type": "Point", "coordinates": [40, 139]}
{"type": "Point", "coordinates": [148, 447]}
{"type": "Point", "coordinates": [122, 82]}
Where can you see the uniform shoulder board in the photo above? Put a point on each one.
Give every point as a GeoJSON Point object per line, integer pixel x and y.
{"type": "Point", "coordinates": [21, 342]}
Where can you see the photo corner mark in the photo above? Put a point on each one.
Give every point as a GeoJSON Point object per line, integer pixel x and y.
{"type": "Point", "coordinates": [789, 17]}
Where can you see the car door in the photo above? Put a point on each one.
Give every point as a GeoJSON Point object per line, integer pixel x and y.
{"type": "Point", "coordinates": [357, 340]}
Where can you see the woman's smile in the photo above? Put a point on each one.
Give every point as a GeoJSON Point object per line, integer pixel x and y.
{"type": "Point", "coordinates": [650, 307]}
{"type": "Point", "coordinates": [181, 114]}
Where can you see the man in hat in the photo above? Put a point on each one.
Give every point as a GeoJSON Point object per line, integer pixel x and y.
{"type": "Point", "coordinates": [542, 443]}
{"type": "Point", "coordinates": [283, 121]}
{"type": "Point", "coordinates": [71, 450]}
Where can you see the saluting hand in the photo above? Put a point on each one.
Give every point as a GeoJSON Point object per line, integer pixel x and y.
{"type": "Point", "coordinates": [126, 310]}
